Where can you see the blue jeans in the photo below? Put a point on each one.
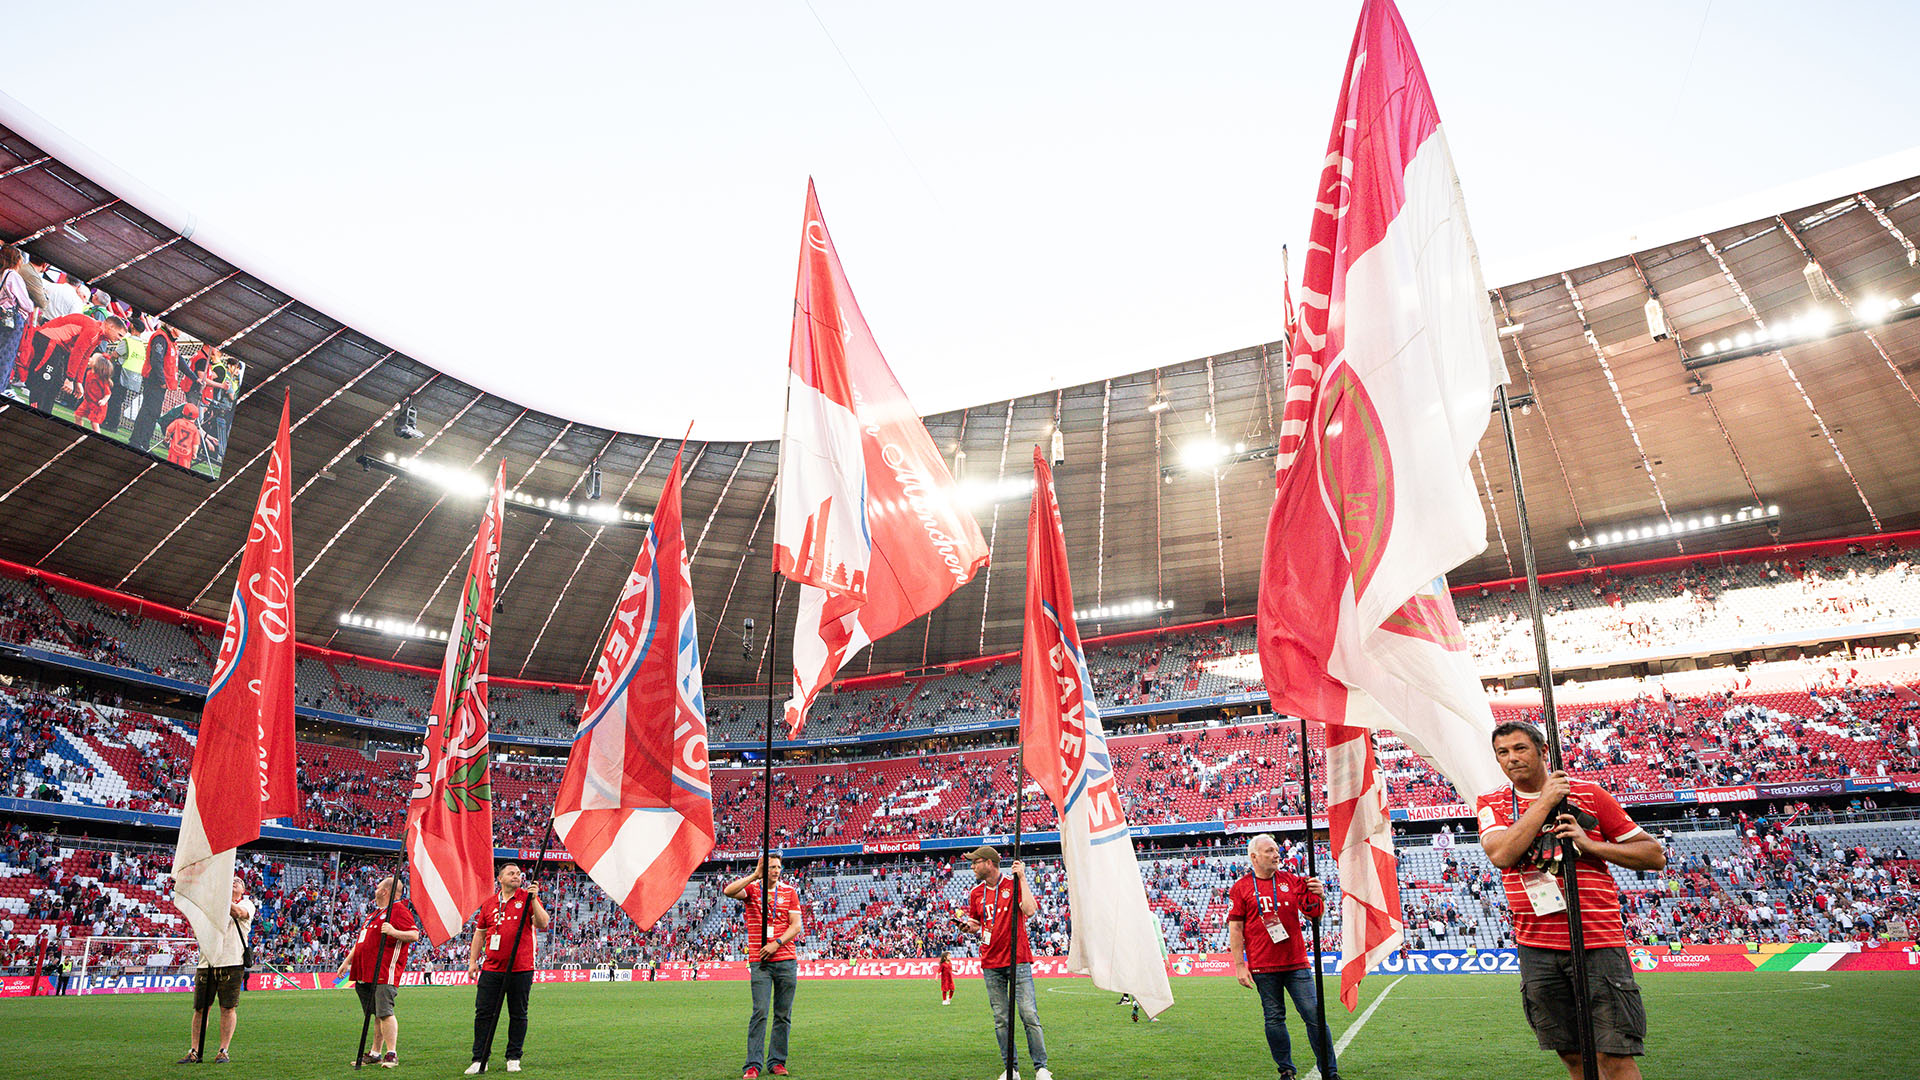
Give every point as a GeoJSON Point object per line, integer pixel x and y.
{"type": "Point", "coordinates": [1021, 975]}
{"type": "Point", "coordinates": [773, 982]}
{"type": "Point", "coordinates": [1274, 986]}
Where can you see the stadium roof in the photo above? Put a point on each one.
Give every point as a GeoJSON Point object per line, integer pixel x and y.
{"type": "Point", "coordinates": [1617, 435]}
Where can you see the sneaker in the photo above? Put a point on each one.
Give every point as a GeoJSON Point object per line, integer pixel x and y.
{"type": "Point", "coordinates": [513, 1064]}
{"type": "Point", "coordinates": [192, 1058]}
{"type": "Point", "coordinates": [390, 1060]}
{"type": "Point", "coordinates": [1016, 1075]}
{"type": "Point", "coordinates": [221, 1058]}
{"type": "Point", "coordinates": [476, 1068]}
{"type": "Point", "coordinates": [752, 1073]}
{"type": "Point", "coordinates": [779, 1070]}
{"type": "Point", "coordinates": [1043, 1073]}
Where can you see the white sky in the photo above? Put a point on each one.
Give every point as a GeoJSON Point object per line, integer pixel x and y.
{"type": "Point", "coordinates": [594, 209]}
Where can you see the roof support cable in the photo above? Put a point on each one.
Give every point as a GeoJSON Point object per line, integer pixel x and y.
{"type": "Point", "coordinates": [561, 596]}
{"type": "Point", "coordinates": [1606, 369]}
{"type": "Point", "coordinates": [1546, 419]}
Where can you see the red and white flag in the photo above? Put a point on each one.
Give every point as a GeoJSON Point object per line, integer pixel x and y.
{"type": "Point", "coordinates": [1392, 371]}
{"type": "Point", "coordinates": [243, 757]}
{"type": "Point", "coordinates": [449, 834]}
{"type": "Point", "coordinates": [924, 542]}
{"type": "Point", "coordinates": [1116, 936]}
{"type": "Point", "coordinates": [635, 808]}
{"type": "Point", "coordinates": [820, 532]}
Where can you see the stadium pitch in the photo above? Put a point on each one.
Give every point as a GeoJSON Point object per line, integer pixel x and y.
{"type": "Point", "coordinates": [1832, 1025]}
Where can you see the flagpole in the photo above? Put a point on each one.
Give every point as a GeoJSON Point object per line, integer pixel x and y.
{"type": "Point", "coordinates": [1019, 917]}
{"type": "Point", "coordinates": [380, 950]}
{"type": "Point", "coordinates": [766, 773]}
{"type": "Point", "coordinates": [1569, 855]}
{"type": "Point", "coordinates": [519, 933]}
{"type": "Point", "coordinates": [1313, 870]}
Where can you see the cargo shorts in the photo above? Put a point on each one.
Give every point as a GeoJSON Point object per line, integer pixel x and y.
{"type": "Point", "coordinates": [1546, 990]}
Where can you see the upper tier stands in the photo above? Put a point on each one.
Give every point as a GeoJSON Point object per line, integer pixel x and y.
{"type": "Point", "coordinates": [1783, 722]}
{"type": "Point", "coordinates": [1601, 616]}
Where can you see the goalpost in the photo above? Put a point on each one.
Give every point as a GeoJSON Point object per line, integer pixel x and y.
{"type": "Point", "coordinates": [111, 957]}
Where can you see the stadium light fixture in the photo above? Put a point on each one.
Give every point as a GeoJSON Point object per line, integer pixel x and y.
{"type": "Point", "coordinates": [1656, 319]}
{"type": "Point", "coordinates": [980, 494]}
{"type": "Point", "coordinates": [1159, 404]}
{"type": "Point", "coordinates": [1132, 609]}
{"type": "Point", "coordinates": [1695, 523]}
{"type": "Point", "coordinates": [401, 628]}
{"type": "Point", "coordinates": [461, 482]}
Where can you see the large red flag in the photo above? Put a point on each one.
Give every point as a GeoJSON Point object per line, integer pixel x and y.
{"type": "Point", "coordinates": [449, 834]}
{"type": "Point", "coordinates": [635, 807]}
{"type": "Point", "coordinates": [924, 542]}
{"type": "Point", "coordinates": [1116, 936]}
{"type": "Point", "coordinates": [243, 758]}
{"type": "Point", "coordinates": [1392, 370]}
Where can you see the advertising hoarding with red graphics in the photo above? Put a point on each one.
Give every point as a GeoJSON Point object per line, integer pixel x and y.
{"type": "Point", "coordinates": [888, 847]}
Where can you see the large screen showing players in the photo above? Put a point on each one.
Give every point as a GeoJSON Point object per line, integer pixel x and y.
{"type": "Point", "coordinates": [80, 356]}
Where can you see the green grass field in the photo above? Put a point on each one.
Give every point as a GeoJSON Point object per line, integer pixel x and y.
{"type": "Point", "coordinates": [1829, 1025]}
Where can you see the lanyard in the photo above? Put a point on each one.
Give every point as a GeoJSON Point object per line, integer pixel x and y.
{"type": "Point", "coordinates": [1276, 890]}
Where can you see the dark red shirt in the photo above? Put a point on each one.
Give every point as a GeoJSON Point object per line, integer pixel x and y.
{"type": "Point", "coordinates": [1283, 898]}
{"type": "Point", "coordinates": [994, 907]}
{"type": "Point", "coordinates": [392, 958]}
{"type": "Point", "coordinates": [499, 924]}
{"type": "Point", "coordinates": [1600, 924]}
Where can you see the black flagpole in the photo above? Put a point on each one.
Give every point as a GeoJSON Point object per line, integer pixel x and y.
{"type": "Point", "coordinates": [1019, 917]}
{"type": "Point", "coordinates": [519, 933]}
{"type": "Point", "coordinates": [766, 773]}
{"type": "Point", "coordinates": [379, 952]}
{"type": "Point", "coordinates": [1313, 870]}
{"type": "Point", "coordinates": [1569, 855]}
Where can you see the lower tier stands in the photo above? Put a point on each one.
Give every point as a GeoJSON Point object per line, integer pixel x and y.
{"type": "Point", "coordinates": [1801, 875]}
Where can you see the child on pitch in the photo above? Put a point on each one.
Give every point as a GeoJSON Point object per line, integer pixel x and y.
{"type": "Point", "coordinates": [946, 979]}
{"type": "Point", "coordinates": [183, 436]}
{"type": "Point", "coordinates": [95, 389]}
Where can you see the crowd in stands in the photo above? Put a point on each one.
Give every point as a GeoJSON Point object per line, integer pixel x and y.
{"type": "Point", "coordinates": [1601, 614]}
{"type": "Point", "coordinates": [1772, 877]}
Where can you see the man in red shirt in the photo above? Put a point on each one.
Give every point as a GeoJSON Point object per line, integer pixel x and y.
{"type": "Point", "coordinates": [58, 352]}
{"type": "Point", "coordinates": [990, 913]}
{"type": "Point", "coordinates": [772, 966]}
{"type": "Point", "coordinates": [375, 963]}
{"type": "Point", "coordinates": [495, 929]}
{"type": "Point", "coordinates": [1269, 952]}
{"type": "Point", "coordinates": [1525, 845]}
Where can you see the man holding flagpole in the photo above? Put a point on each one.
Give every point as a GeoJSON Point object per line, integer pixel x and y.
{"type": "Point", "coordinates": [221, 975]}
{"type": "Point", "coordinates": [243, 756]}
{"type": "Point", "coordinates": [1270, 955]}
{"type": "Point", "coordinates": [500, 961]}
{"type": "Point", "coordinates": [990, 913]}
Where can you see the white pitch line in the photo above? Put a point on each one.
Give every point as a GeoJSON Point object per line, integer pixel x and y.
{"type": "Point", "coordinates": [1346, 1037]}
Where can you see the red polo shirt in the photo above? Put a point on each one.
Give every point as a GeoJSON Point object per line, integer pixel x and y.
{"type": "Point", "coordinates": [994, 907]}
{"type": "Point", "coordinates": [499, 924]}
{"type": "Point", "coordinates": [1282, 898]}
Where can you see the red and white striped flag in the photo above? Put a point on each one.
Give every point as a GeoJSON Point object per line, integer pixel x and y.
{"type": "Point", "coordinates": [924, 542]}
{"type": "Point", "coordinates": [1392, 372]}
{"type": "Point", "coordinates": [449, 833]}
{"type": "Point", "coordinates": [635, 808]}
{"type": "Point", "coordinates": [243, 757]}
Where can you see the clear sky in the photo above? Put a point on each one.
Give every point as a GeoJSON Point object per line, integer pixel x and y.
{"type": "Point", "coordinates": [594, 208]}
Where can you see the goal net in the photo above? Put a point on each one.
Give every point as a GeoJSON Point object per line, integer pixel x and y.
{"type": "Point", "coordinates": [95, 959]}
